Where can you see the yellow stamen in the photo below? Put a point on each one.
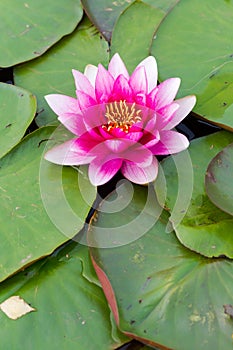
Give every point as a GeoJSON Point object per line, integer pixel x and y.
{"type": "Point", "coordinates": [121, 115]}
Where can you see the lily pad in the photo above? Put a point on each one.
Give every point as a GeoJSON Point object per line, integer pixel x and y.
{"type": "Point", "coordinates": [130, 41]}
{"type": "Point", "coordinates": [202, 227]}
{"type": "Point", "coordinates": [27, 232]}
{"type": "Point", "coordinates": [30, 28]}
{"type": "Point", "coordinates": [194, 42]}
{"type": "Point", "coordinates": [71, 312]}
{"type": "Point", "coordinates": [51, 73]}
{"type": "Point", "coordinates": [218, 181]}
{"type": "Point", "coordinates": [104, 13]}
{"type": "Point", "coordinates": [157, 288]}
{"type": "Point", "coordinates": [17, 110]}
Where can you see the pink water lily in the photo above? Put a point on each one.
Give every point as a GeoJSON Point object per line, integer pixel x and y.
{"type": "Point", "coordinates": [120, 122]}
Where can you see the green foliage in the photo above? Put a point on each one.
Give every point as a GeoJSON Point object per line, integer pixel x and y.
{"type": "Point", "coordinates": [218, 179]}
{"type": "Point", "coordinates": [204, 228]}
{"type": "Point", "coordinates": [161, 288]}
{"type": "Point", "coordinates": [69, 308]}
{"type": "Point", "coordinates": [194, 42]}
{"type": "Point", "coordinates": [30, 28]}
{"type": "Point", "coordinates": [18, 108]}
{"type": "Point", "coordinates": [26, 230]}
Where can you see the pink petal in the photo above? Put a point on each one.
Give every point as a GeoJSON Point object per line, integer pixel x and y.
{"type": "Point", "coordinates": [150, 139]}
{"type": "Point", "coordinates": [85, 101]}
{"type": "Point", "coordinates": [121, 90]}
{"type": "Point", "coordinates": [101, 171]}
{"type": "Point", "coordinates": [62, 104]}
{"type": "Point", "coordinates": [94, 117]}
{"type": "Point", "coordinates": [95, 134]}
{"type": "Point", "coordinates": [104, 84]}
{"type": "Point", "coordinates": [151, 124]}
{"type": "Point", "coordinates": [74, 123]}
{"type": "Point", "coordinates": [106, 134]}
{"type": "Point", "coordinates": [67, 153]}
{"type": "Point", "coordinates": [138, 154]}
{"type": "Point", "coordinates": [151, 71]}
{"type": "Point", "coordinates": [166, 92]}
{"type": "Point", "coordinates": [185, 104]}
{"type": "Point", "coordinates": [170, 142]}
{"type": "Point", "coordinates": [117, 67]}
{"type": "Point", "coordinates": [166, 114]}
{"type": "Point", "coordinates": [150, 98]}
{"type": "Point", "coordinates": [82, 83]}
{"type": "Point", "coordinates": [68, 112]}
{"type": "Point", "coordinates": [90, 72]}
{"type": "Point", "coordinates": [139, 175]}
{"type": "Point", "coordinates": [117, 145]}
{"type": "Point", "coordinates": [122, 149]}
{"type": "Point", "coordinates": [138, 80]}
{"type": "Point", "coordinates": [134, 136]}
{"type": "Point", "coordinates": [87, 143]}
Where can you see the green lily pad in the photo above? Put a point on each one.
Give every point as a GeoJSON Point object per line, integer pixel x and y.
{"type": "Point", "coordinates": [218, 180]}
{"type": "Point", "coordinates": [71, 312]}
{"type": "Point", "coordinates": [26, 229]}
{"type": "Point", "coordinates": [104, 13]}
{"type": "Point", "coordinates": [157, 288]}
{"type": "Point", "coordinates": [202, 226]}
{"type": "Point", "coordinates": [165, 5]}
{"type": "Point", "coordinates": [194, 42]}
{"type": "Point", "coordinates": [130, 41]}
{"type": "Point", "coordinates": [30, 28]}
{"type": "Point", "coordinates": [51, 73]}
{"type": "Point", "coordinates": [17, 110]}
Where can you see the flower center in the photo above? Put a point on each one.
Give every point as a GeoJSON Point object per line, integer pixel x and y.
{"type": "Point", "coordinates": [121, 115]}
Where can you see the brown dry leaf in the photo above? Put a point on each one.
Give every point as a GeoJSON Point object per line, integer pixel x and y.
{"type": "Point", "coordinates": [15, 307]}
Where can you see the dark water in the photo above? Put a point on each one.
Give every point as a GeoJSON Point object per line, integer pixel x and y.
{"type": "Point", "coordinates": [6, 75]}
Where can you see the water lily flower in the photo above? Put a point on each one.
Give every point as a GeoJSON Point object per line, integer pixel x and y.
{"type": "Point", "coordinates": [120, 122]}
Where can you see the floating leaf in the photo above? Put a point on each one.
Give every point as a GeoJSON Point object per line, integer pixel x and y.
{"type": "Point", "coordinates": [104, 13]}
{"type": "Point", "coordinates": [52, 72]}
{"type": "Point", "coordinates": [15, 307]}
{"type": "Point", "coordinates": [219, 184]}
{"type": "Point", "coordinates": [71, 312]}
{"type": "Point", "coordinates": [202, 227]}
{"type": "Point", "coordinates": [165, 5]}
{"type": "Point", "coordinates": [17, 110]}
{"type": "Point", "coordinates": [130, 41]}
{"type": "Point", "coordinates": [194, 42]}
{"type": "Point", "coordinates": [29, 28]}
{"type": "Point", "coordinates": [157, 288]}
{"type": "Point", "coordinates": [26, 229]}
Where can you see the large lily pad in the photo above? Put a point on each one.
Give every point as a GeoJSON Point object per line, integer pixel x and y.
{"type": "Point", "coordinates": [219, 176]}
{"type": "Point", "coordinates": [161, 292]}
{"type": "Point", "coordinates": [71, 312]}
{"type": "Point", "coordinates": [26, 230]}
{"type": "Point", "coordinates": [29, 28]}
{"type": "Point", "coordinates": [202, 226]}
{"type": "Point", "coordinates": [195, 43]}
{"type": "Point", "coordinates": [17, 110]}
{"type": "Point", "coordinates": [131, 42]}
{"type": "Point", "coordinates": [52, 72]}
